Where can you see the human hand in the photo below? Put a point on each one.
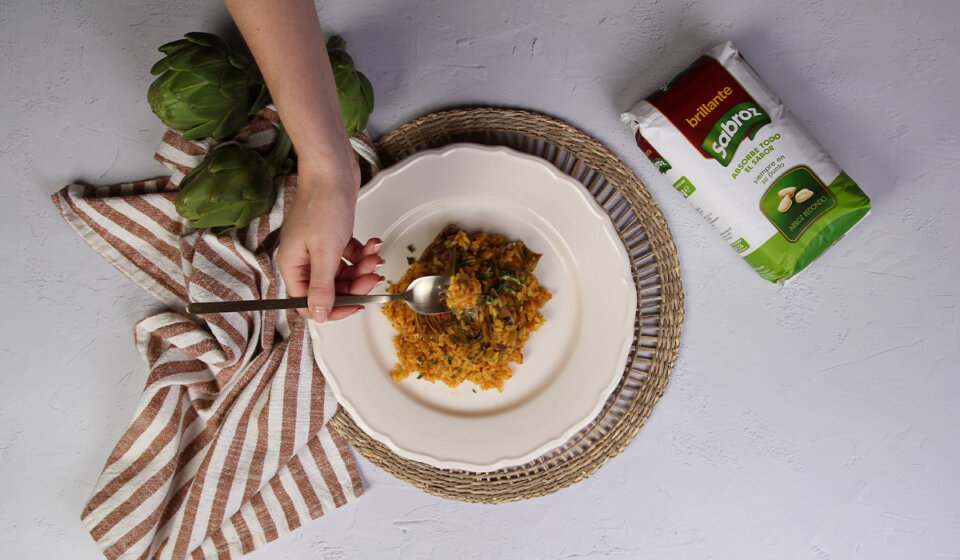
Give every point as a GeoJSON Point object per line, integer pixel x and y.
{"type": "Point", "coordinates": [317, 236]}
{"type": "Point", "coordinates": [290, 50]}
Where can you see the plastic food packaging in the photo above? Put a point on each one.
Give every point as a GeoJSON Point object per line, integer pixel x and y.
{"type": "Point", "coordinates": [747, 165]}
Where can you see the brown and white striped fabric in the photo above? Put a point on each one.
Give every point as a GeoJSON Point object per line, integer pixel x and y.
{"type": "Point", "coordinates": [229, 447]}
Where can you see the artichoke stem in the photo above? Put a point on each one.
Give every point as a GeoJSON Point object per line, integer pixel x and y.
{"type": "Point", "coordinates": [281, 149]}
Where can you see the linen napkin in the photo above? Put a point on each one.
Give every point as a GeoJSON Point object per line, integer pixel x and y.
{"type": "Point", "coordinates": [229, 446]}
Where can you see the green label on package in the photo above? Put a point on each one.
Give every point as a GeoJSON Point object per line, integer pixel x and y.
{"type": "Point", "coordinates": [685, 187]}
{"type": "Point", "coordinates": [795, 200]}
{"type": "Point", "coordinates": [743, 121]}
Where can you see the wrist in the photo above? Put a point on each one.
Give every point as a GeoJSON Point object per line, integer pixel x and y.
{"type": "Point", "coordinates": [336, 173]}
{"type": "Point", "coordinates": [327, 183]}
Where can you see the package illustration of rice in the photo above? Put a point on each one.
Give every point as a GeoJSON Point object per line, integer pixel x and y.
{"type": "Point", "coordinates": [732, 149]}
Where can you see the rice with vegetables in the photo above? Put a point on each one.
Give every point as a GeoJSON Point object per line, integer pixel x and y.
{"type": "Point", "coordinates": [495, 302]}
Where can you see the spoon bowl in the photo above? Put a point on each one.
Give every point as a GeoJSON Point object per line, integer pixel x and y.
{"type": "Point", "coordinates": [426, 295]}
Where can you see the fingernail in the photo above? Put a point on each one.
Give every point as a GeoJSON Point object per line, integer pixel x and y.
{"type": "Point", "coordinates": [320, 314]}
{"type": "Point", "coordinates": [377, 245]}
{"type": "Point", "coordinates": [379, 264]}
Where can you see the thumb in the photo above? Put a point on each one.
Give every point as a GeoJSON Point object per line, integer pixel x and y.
{"type": "Point", "coordinates": [320, 294]}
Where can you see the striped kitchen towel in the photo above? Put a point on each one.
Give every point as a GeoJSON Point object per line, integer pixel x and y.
{"type": "Point", "coordinates": [229, 447]}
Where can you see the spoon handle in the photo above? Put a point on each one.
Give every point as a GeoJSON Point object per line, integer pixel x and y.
{"type": "Point", "coordinates": [362, 300]}
{"type": "Point", "coordinates": [291, 303]}
{"type": "Point", "coordinates": [245, 305]}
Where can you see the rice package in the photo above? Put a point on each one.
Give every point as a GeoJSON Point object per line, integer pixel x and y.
{"type": "Point", "coordinates": [734, 151]}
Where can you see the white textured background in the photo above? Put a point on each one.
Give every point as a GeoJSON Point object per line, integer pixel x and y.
{"type": "Point", "coordinates": [816, 421]}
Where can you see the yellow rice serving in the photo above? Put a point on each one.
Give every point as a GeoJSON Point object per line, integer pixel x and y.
{"type": "Point", "coordinates": [495, 302]}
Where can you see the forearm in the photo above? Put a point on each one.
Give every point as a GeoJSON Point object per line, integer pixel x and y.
{"type": "Point", "coordinates": [288, 44]}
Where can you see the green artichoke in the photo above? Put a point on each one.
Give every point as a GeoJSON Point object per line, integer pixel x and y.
{"type": "Point", "coordinates": [204, 87]}
{"type": "Point", "coordinates": [353, 88]}
{"type": "Point", "coordinates": [232, 186]}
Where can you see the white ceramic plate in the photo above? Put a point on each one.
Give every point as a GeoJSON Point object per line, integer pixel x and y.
{"type": "Point", "coordinates": [571, 365]}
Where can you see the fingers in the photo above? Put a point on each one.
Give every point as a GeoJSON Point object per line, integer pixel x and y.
{"type": "Point", "coordinates": [319, 275]}
{"type": "Point", "coordinates": [358, 286]}
{"type": "Point", "coordinates": [343, 312]}
{"type": "Point", "coordinates": [293, 263]}
{"type": "Point", "coordinates": [352, 249]}
{"type": "Point", "coordinates": [366, 266]}
{"type": "Point", "coordinates": [320, 294]}
{"type": "Point", "coordinates": [296, 278]}
{"type": "Point", "coordinates": [355, 252]}
{"type": "Point", "coordinates": [363, 259]}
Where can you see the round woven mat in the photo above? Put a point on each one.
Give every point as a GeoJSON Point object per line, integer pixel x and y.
{"type": "Point", "coordinates": [656, 273]}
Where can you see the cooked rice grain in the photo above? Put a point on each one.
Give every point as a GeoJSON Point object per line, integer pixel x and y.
{"type": "Point", "coordinates": [495, 301]}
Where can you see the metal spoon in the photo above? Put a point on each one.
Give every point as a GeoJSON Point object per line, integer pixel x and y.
{"type": "Point", "coordinates": [426, 295]}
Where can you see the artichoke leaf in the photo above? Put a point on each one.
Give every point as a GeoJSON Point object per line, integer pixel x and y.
{"type": "Point", "coordinates": [354, 91]}
{"type": "Point", "coordinates": [232, 186]}
{"type": "Point", "coordinates": [203, 38]}
{"type": "Point", "coordinates": [205, 88]}
{"type": "Point", "coordinates": [198, 132]}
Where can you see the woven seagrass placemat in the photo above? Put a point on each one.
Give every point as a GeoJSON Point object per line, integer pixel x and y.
{"type": "Point", "coordinates": [656, 273]}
